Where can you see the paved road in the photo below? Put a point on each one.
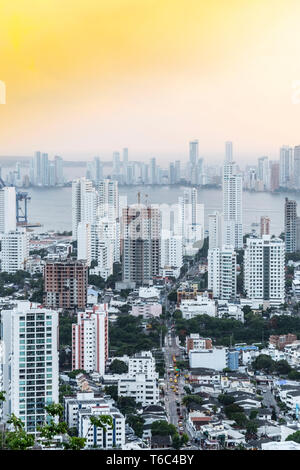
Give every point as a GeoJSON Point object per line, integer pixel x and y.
{"type": "Point", "coordinates": [171, 399]}
{"type": "Point", "coordinates": [269, 400]}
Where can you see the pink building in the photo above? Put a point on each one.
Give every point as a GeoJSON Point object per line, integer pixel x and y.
{"type": "Point", "coordinates": [90, 339]}
{"type": "Point", "coordinates": [147, 310]}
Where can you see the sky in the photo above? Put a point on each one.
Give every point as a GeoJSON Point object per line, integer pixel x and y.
{"type": "Point", "coordinates": [89, 77]}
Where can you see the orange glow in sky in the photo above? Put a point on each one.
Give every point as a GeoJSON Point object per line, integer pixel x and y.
{"type": "Point", "coordinates": [86, 77]}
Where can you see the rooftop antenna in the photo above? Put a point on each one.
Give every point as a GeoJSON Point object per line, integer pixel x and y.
{"type": "Point", "coordinates": [139, 197]}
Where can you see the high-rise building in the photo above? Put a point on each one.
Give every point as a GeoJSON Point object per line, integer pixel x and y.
{"type": "Point", "coordinates": [84, 242]}
{"type": "Point", "coordinates": [65, 284]}
{"type": "Point", "coordinates": [116, 163]}
{"type": "Point", "coordinates": [194, 152]}
{"type": "Point", "coordinates": [30, 364]}
{"type": "Point", "coordinates": [264, 225]}
{"type": "Point", "coordinates": [7, 209]}
{"type": "Point", "coordinates": [228, 151]}
{"type": "Point", "coordinates": [274, 176]}
{"type": "Point", "coordinates": [297, 167]}
{"type": "Point", "coordinates": [290, 215]}
{"type": "Point", "coordinates": [140, 242]}
{"type": "Point", "coordinates": [172, 174]}
{"type": "Point", "coordinates": [264, 274]}
{"type": "Point", "coordinates": [153, 171]}
{"type": "Point", "coordinates": [263, 172]}
{"type": "Point", "coordinates": [232, 206]}
{"type": "Point", "coordinates": [190, 221]}
{"type": "Point", "coordinates": [108, 199]}
{"type": "Point", "coordinates": [59, 170]}
{"type": "Point", "coordinates": [171, 251]}
{"type": "Point", "coordinates": [286, 167]}
{"type": "Point", "coordinates": [215, 232]}
{"type": "Point", "coordinates": [84, 203]}
{"type": "Point", "coordinates": [90, 340]}
{"type": "Point", "coordinates": [44, 169]}
{"type": "Point", "coordinates": [177, 171]}
{"type": "Point", "coordinates": [222, 272]}
{"type": "Point", "coordinates": [14, 250]}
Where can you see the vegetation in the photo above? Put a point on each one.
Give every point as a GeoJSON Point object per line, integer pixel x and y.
{"type": "Point", "coordinates": [265, 363]}
{"type": "Point", "coordinates": [65, 329]}
{"type": "Point", "coordinates": [294, 437]}
{"type": "Point", "coordinates": [253, 330]}
{"type": "Point", "coordinates": [118, 367]}
{"type": "Point", "coordinates": [112, 390]}
{"type": "Point", "coordinates": [137, 424]}
{"type": "Point", "coordinates": [127, 336]}
{"type": "Point", "coordinates": [16, 438]}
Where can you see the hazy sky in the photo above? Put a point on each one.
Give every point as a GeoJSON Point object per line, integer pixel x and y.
{"type": "Point", "coordinates": [89, 77]}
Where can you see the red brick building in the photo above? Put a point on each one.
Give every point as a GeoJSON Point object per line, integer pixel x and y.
{"type": "Point", "coordinates": [281, 341]}
{"type": "Point", "coordinates": [65, 284]}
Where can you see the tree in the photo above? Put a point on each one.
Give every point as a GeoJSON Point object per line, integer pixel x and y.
{"type": "Point", "coordinates": [253, 414]}
{"type": "Point", "coordinates": [264, 362]}
{"type": "Point", "coordinates": [240, 419]}
{"type": "Point", "coordinates": [137, 424]}
{"type": "Point", "coordinates": [163, 428]}
{"type": "Point", "coordinates": [231, 410]}
{"type": "Point", "coordinates": [282, 367]}
{"type": "Point", "coordinates": [294, 375]}
{"type": "Point", "coordinates": [274, 415]}
{"type": "Point", "coordinates": [226, 399]}
{"type": "Point", "coordinates": [188, 400]}
{"type": "Point", "coordinates": [251, 427]}
{"type": "Point", "coordinates": [75, 372]}
{"type": "Point", "coordinates": [18, 439]}
{"type": "Point", "coordinates": [75, 443]}
{"type": "Point", "coordinates": [177, 315]}
{"type": "Point", "coordinates": [294, 437]}
{"type": "Point", "coordinates": [172, 297]}
{"type": "Point", "coordinates": [184, 439]}
{"type": "Point", "coordinates": [118, 367]}
{"type": "Point", "coordinates": [176, 441]}
{"type": "Point", "coordinates": [112, 390]}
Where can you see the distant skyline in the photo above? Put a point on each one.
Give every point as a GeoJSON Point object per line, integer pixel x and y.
{"type": "Point", "coordinates": [86, 78]}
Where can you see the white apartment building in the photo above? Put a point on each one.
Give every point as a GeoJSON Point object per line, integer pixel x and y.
{"type": "Point", "coordinates": [30, 366]}
{"type": "Point", "coordinates": [108, 192]}
{"type": "Point", "coordinates": [8, 209]}
{"type": "Point", "coordinates": [95, 436]}
{"type": "Point", "coordinates": [190, 221]}
{"type": "Point", "coordinates": [296, 288]}
{"type": "Point", "coordinates": [215, 358]}
{"type": "Point", "coordinates": [90, 339]}
{"type": "Point", "coordinates": [142, 363]}
{"type": "Point", "coordinates": [228, 310]}
{"type": "Point", "coordinates": [84, 242]}
{"type": "Point", "coordinates": [143, 390]}
{"type": "Point", "coordinates": [215, 230]}
{"type": "Point", "coordinates": [84, 202]}
{"type": "Point", "coordinates": [14, 252]}
{"type": "Point", "coordinates": [82, 401]}
{"type": "Point", "coordinates": [232, 206]}
{"type": "Point", "coordinates": [171, 255]}
{"type": "Point", "coordinates": [202, 305]}
{"type": "Point", "coordinates": [195, 342]}
{"type": "Point", "coordinates": [264, 277]}
{"type": "Point", "coordinates": [222, 272]}
{"type": "Point", "coordinates": [146, 309]}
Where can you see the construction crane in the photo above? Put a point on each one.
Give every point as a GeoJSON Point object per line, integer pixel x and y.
{"type": "Point", "coordinates": [21, 212]}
